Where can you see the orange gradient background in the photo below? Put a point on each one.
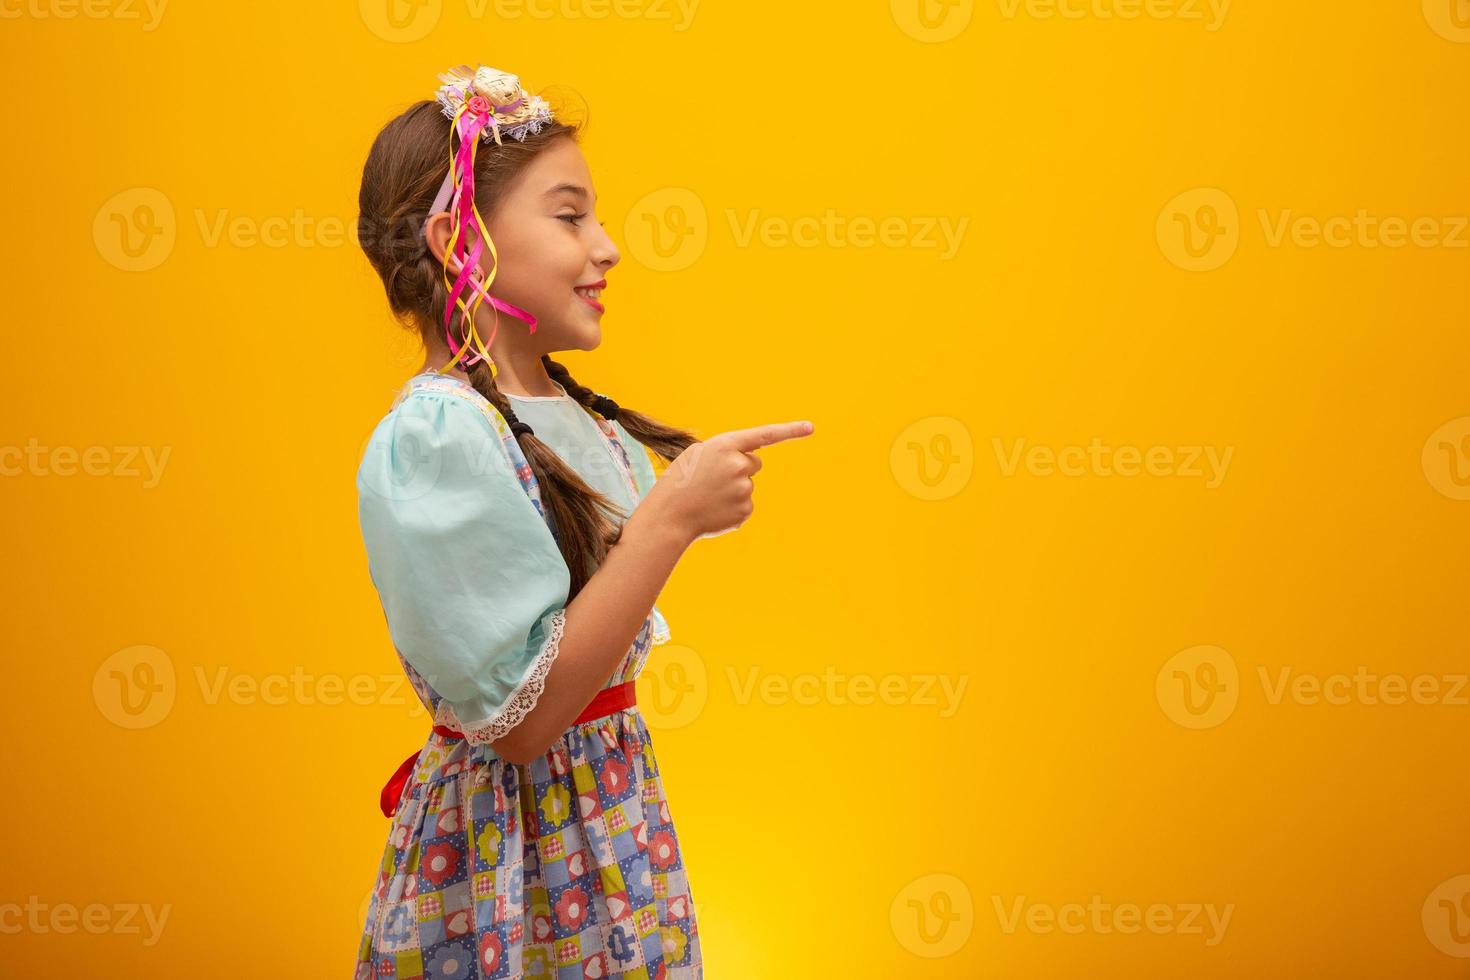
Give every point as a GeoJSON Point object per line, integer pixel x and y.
{"type": "Point", "coordinates": [205, 702]}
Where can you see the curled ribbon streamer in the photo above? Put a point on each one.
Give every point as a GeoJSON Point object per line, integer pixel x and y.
{"type": "Point", "coordinates": [463, 208]}
{"type": "Point", "coordinates": [467, 220]}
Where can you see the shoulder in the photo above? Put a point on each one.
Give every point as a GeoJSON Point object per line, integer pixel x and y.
{"type": "Point", "coordinates": [434, 438]}
{"type": "Point", "coordinates": [465, 408]}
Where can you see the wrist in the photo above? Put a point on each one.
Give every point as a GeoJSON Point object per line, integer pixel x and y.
{"type": "Point", "coordinates": [647, 528]}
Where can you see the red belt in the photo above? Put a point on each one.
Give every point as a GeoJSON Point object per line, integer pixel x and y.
{"type": "Point", "coordinates": [607, 701]}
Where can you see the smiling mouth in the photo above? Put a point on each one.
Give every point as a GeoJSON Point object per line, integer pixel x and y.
{"type": "Point", "coordinates": [589, 296]}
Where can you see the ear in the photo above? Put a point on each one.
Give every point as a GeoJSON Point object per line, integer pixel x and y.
{"type": "Point", "coordinates": [436, 235]}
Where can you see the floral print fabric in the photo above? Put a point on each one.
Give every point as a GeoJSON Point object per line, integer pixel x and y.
{"type": "Point", "coordinates": [567, 867]}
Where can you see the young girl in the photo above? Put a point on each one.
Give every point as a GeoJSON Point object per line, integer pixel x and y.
{"type": "Point", "coordinates": [518, 539]}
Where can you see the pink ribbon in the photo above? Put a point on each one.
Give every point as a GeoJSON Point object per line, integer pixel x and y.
{"type": "Point", "coordinates": [474, 114]}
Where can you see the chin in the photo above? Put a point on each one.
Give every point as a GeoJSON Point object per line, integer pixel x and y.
{"type": "Point", "coordinates": [584, 336]}
{"type": "Point", "coordinates": [576, 340]}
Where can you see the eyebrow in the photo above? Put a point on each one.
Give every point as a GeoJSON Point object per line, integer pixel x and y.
{"type": "Point", "coordinates": [574, 189]}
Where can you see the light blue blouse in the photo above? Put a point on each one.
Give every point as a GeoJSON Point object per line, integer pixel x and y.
{"type": "Point", "coordinates": [470, 578]}
{"type": "Point", "coordinates": [564, 425]}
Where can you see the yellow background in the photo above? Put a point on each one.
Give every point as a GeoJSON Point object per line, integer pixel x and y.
{"type": "Point", "coordinates": [823, 837]}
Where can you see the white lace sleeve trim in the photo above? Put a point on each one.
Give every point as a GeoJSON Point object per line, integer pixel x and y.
{"type": "Point", "coordinates": [521, 701]}
{"type": "Point", "coordinates": [660, 628]}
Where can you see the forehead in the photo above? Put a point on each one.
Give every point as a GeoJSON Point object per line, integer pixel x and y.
{"type": "Point", "coordinates": [558, 173]}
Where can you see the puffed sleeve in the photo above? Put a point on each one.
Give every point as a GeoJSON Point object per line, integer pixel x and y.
{"type": "Point", "coordinates": [469, 575]}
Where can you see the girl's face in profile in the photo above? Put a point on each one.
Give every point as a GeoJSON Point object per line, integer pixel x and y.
{"type": "Point", "coordinates": [551, 247]}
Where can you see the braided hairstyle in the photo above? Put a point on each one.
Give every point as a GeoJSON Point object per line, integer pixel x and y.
{"type": "Point", "coordinates": [403, 171]}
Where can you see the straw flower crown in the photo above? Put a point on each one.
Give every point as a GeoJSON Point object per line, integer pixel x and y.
{"type": "Point", "coordinates": [481, 103]}
{"type": "Point", "coordinates": [498, 97]}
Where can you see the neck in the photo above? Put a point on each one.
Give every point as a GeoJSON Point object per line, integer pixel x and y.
{"type": "Point", "coordinates": [522, 373]}
{"type": "Point", "coordinates": [516, 372]}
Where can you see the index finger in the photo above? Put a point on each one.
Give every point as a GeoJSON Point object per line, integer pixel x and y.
{"type": "Point", "coordinates": [747, 440]}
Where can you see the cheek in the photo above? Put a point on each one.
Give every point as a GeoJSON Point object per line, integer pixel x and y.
{"type": "Point", "coordinates": [545, 267]}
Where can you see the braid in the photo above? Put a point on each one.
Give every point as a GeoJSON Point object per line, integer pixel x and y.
{"type": "Point", "coordinates": [581, 516]}
{"type": "Point", "coordinates": [665, 440]}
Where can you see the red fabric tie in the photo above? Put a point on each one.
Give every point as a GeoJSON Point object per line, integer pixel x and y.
{"type": "Point", "coordinates": [607, 701]}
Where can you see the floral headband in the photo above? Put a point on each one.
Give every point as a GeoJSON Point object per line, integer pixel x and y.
{"type": "Point", "coordinates": [480, 102]}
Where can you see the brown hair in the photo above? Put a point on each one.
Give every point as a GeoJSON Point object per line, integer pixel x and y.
{"type": "Point", "coordinates": [403, 172]}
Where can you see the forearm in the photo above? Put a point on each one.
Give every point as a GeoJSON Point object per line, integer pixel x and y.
{"type": "Point", "coordinates": [601, 623]}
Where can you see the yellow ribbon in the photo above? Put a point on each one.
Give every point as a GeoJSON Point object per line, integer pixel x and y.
{"type": "Point", "coordinates": [469, 311]}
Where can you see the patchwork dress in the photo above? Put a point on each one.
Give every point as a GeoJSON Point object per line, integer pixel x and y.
{"type": "Point", "coordinates": [566, 867]}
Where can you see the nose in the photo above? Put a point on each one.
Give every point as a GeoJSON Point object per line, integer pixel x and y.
{"type": "Point", "coordinates": [604, 253]}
